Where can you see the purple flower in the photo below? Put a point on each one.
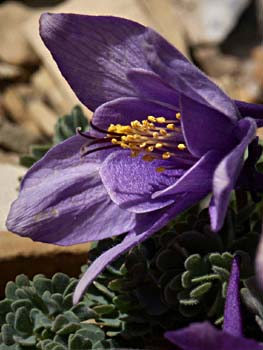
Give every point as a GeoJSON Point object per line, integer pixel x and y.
{"type": "Point", "coordinates": [204, 336]}
{"type": "Point", "coordinates": [163, 137]}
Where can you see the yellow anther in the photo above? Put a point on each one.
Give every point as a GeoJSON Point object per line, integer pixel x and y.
{"type": "Point", "coordinates": [178, 116]}
{"type": "Point", "coordinates": [148, 158]}
{"type": "Point", "coordinates": [144, 144]}
{"type": "Point", "coordinates": [158, 145]}
{"type": "Point", "coordinates": [155, 135]}
{"type": "Point", "coordinates": [166, 155]}
{"type": "Point", "coordinates": [160, 120]}
{"type": "Point", "coordinates": [124, 145]}
{"type": "Point", "coordinates": [151, 119]}
{"type": "Point", "coordinates": [163, 132]}
{"type": "Point", "coordinates": [181, 146]}
{"type": "Point", "coordinates": [160, 169]}
{"type": "Point", "coordinates": [170, 126]}
{"type": "Point", "coordinates": [150, 148]}
{"type": "Point", "coordinates": [136, 124]}
{"type": "Point", "coordinates": [114, 141]}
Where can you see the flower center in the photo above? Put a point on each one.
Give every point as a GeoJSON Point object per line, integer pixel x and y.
{"type": "Point", "coordinates": [154, 138]}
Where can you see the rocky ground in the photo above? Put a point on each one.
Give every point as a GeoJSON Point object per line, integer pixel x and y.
{"type": "Point", "coordinates": [226, 43]}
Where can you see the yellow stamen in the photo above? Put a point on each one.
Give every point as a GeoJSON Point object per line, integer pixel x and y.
{"type": "Point", "coordinates": [178, 116]}
{"type": "Point", "coordinates": [160, 120]}
{"type": "Point", "coordinates": [166, 155]}
{"type": "Point", "coordinates": [151, 119]}
{"type": "Point", "coordinates": [158, 145]}
{"type": "Point", "coordinates": [170, 126]}
{"type": "Point", "coordinates": [181, 146]}
{"type": "Point", "coordinates": [160, 169]}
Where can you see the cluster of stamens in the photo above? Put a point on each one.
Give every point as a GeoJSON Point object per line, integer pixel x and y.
{"type": "Point", "coordinates": [154, 137]}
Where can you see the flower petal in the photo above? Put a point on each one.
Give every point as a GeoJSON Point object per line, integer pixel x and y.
{"type": "Point", "coordinates": [251, 110]}
{"type": "Point", "coordinates": [62, 200]}
{"type": "Point", "coordinates": [167, 62]}
{"type": "Point", "coordinates": [198, 179]}
{"type": "Point", "coordinates": [150, 86]}
{"type": "Point", "coordinates": [125, 110]}
{"type": "Point", "coordinates": [203, 336]}
{"type": "Point", "coordinates": [130, 182]}
{"type": "Point", "coordinates": [205, 128]}
{"type": "Point", "coordinates": [94, 53]}
{"type": "Point", "coordinates": [227, 172]}
{"type": "Point", "coordinates": [232, 314]}
{"type": "Point", "coordinates": [146, 225]}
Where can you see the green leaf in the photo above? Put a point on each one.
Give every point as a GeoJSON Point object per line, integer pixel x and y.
{"type": "Point", "coordinates": [22, 321]}
{"type": "Point", "coordinates": [201, 290]}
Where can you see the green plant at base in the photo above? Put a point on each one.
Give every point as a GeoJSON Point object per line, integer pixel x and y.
{"type": "Point", "coordinates": [180, 274]}
{"type": "Point", "coordinates": [39, 314]}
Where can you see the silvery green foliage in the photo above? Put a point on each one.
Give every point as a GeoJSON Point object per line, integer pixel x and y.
{"type": "Point", "coordinates": [39, 314]}
{"type": "Point", "coordinates": [65, 127]}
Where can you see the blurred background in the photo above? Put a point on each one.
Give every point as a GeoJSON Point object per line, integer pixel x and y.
{"type": "Point", "coordinates": [222, 37]}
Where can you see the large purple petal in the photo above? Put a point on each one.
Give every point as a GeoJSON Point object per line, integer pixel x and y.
{"type": "Point", "coordinates": [166, 61]}
{"type": "Point", "coordinates": [198, 179]}
{"type": "Point", "coordinates": [94, 53]}
{"type": "Point", "coordinates": [205, 128]}
{"type": "Point", "coordinates": [227, 172]}
{"type": "Point", "coordinates": [130, 182]}
{"type": "Point", "coordinates": [232, 314]}
{"type": "Point", "coordinates": [251, 110]}
{"type": "Point", "coordinates": [62, 199]}
{"type": "Point", "coordinates": [146, 225]}
{"type": "Point", "coordinates": [125, 110]}
{"type": "Point", "coordinates": [259, 261]}
{"type": "Point", "coordinates": [150, 86]}
{"type": "Point", "coordinates": [203, 336]}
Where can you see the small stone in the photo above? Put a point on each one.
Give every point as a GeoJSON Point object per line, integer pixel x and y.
{"type": "Point", "coordinates": [14, 48]}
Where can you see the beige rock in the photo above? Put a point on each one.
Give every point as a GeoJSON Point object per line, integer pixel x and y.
{"type": "Point", "coordinates": [14, 48]}
{"type": "Point", "coordinates": [9, 184]}
{"type": "Point", "coordinates": [21, 255]}
{"type": "Point", "coordinates": [11, 72]}
{"type": "Point", "coordinates": [12, 246]}
{"type": "Point", "coordinates": [15, 138]}
{"type": "Point", "coordinates": [46, 87]}
{"type": "Point", "coordinates": [43, 116]}
{"type": "Point", "coordinates": [15, 100]}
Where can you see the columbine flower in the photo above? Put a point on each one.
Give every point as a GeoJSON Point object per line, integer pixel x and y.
{"type": "Point", "coordinates": [204, 336]}
{"type": "Point", "coordinates": [163, 137]}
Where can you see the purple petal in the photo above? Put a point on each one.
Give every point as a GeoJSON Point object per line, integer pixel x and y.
{"type": "Point", "coordinates": [205, 128]}
{"type": "Point", "coordinates": [166, 61]}
{"type": "Point", "coordinates": [125, 110]}
{"type": "Point", "coordinates": [198, 179]}
{"type": "Point", "coordinates": [146, 225]}
{"type": "Point", "coordinates": [259, 262]}
{"type": "Point", "coordinates": [150, 86]}
{"type": "Point", "coordinates": [251, 110]}
{"type": "Point", "coordinates": [227, 172]}
{"type": "Point", "coordinates": [232, 314]}
{"type": "Point", "coordinates": [106, 258]}
{"type": "Point", "coordinates": [203, 336]}
{"type": "Point", "coordinates": [94, 53]}
{"type": "Point", "coordinates": [130, 182]}
{"type": "Point", "coordinates": [62, 199]}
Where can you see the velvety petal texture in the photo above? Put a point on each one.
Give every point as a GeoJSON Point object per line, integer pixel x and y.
{"type": "Point", "coordinates": [62, 200]}
{"type": "Point", "coordinates": [203, 336]}
{"type": "Point", "coordinates": [232, 313]}
{"type": "Point", "coordinates": [94, 53]}
{"type": "Point", "coordinates": [227, 172]}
